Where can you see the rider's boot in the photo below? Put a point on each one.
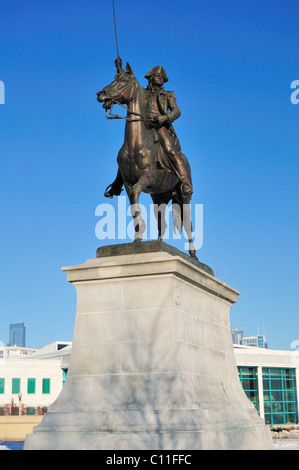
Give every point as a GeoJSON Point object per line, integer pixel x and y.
{"type": "Point", "coordinates": [186, 189]}
{"type": "Point", "coordinates": [186, 185]}
{"type": "Point", "coordinates": [181, 170]}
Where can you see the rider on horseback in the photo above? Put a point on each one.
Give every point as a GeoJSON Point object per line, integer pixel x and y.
{"type": "Point", "coordinates": [159, 102]}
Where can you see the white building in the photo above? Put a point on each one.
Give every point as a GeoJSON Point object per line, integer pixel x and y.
{"type": "Point", "coordinates": [35, 377]}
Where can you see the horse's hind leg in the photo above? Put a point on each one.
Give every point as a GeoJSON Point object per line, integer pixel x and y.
{"type": "Point", "coordinates": [183, 219]}
{"type": "Point", "coordinates": [160, 201]}
{"type": "Point", "coordinates": [161, 221]}
{"type": "Point", "coordinates": [187, 224]}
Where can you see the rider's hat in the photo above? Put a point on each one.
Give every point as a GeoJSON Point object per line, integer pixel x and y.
{"type": "Point", "coordinates": [158, 69]}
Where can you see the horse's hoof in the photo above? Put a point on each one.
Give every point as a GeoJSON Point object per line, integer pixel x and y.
{"type": "Point", "coordinates": [193, 255]}
{"type": "Point", "coordinates": [137, 240]}
{"type": "Point", "coordinates": [108, 191]}
{"type": "Point", "coordinates": [111, 191]}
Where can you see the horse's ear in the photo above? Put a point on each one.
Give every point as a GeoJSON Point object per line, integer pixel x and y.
{"type": "Point", "coordinates": [129, 69]}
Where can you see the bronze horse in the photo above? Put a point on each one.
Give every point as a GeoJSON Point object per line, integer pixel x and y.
{"type": "Point", "coordinates": [143, 165]}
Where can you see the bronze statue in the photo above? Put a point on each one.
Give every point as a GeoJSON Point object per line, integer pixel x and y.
{"type": "Point", "coordinates": [150, 159]}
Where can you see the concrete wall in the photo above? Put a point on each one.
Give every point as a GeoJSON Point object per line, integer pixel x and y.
{"type": "Point", "coordinates": [15, 428]}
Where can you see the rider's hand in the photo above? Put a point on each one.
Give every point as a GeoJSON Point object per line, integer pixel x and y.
{"type": "Point", "coordinates": [161, 119]}
{"type": "Point", "coordinates": [118, 63]}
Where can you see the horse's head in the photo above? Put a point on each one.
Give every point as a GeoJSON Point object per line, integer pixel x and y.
{"type": "Point", "coordinates": [120, 90]}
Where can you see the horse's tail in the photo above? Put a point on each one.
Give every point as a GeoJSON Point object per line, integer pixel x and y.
{"type": "Point", "coordinates": [177, 217]}
{"type": "Point", "coordinates": [178, 201]}
{"type": "Point", "coordinates": [177, 210]}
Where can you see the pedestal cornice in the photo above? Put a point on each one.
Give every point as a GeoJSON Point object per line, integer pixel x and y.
{"type": "Point", "coordinates": [122, 261]}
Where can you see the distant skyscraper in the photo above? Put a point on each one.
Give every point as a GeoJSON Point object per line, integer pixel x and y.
{"type": "Point", "coordinates": [17, 333]}
{"type": "Point", "coordinates": [237, 336]}
{"type": "Point", "coordinates": [258, 341]}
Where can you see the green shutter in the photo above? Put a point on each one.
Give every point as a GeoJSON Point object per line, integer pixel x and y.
{"type": "Point", "coordinates": [31, 386]}
{"type": "Point", "coordinates": [16, 385]}
{"type": "Point", "coordinates": [2, 383]}
{"type": "Point", "coordinates": [46, 385]}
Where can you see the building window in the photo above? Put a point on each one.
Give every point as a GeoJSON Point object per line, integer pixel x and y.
{"type": "Point", "coordinates": [2, 385]}
{"type": "Point", "coordinates": [280, 397]}
{"type": "Point", "coordinates": [16, 385]}
{"type": "Point", "coordinates": [31, 386]}
{"type": "Point", "coordinates": [46, 385]}
{"type": "Point", "coordinates": [249, 381]}
{"type": "Point", "coordinates": [64, 374]}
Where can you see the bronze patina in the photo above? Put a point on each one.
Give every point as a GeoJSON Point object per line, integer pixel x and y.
{"type": "Point", "coordinates": [150, 160]}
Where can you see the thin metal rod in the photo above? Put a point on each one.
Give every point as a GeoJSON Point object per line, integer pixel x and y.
{"type": "Point", "coordinates": [115, 29]}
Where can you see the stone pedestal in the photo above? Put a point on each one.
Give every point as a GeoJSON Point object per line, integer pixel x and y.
{"type": "Point", "coordinates": [152, 363]}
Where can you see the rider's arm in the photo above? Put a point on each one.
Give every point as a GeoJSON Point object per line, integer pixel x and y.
{"type": "Point", "coordinates": [175, 111]}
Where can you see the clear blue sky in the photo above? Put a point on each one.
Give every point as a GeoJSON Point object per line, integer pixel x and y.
{"type": "Point", "coordinates": [230, 63]}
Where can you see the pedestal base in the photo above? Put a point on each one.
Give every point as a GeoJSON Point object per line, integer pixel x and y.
{"type": "Point", "coordinates": [152, 363]}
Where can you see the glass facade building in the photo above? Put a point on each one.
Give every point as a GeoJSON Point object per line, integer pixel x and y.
{"type": "Point", "coordinates": [273, 392]}
{"type": "Point", "coordinates": [17, 335]}
{"type": "Point", "coordinates": [249, 381]}
{"type": "Point", "coordinates": [280, 398]}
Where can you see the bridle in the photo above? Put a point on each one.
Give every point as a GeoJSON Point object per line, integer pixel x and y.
{"type": "Point", "coordinates": [129, 119]}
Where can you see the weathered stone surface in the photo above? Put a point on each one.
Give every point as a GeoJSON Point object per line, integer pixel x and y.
{"type": "Point", "coordinates": [152, 364]}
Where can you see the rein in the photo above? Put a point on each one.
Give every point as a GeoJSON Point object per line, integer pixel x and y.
{"type": "Point", "coordinates": [116, 116]}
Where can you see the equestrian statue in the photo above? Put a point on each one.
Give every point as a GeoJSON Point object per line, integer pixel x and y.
{"type": "Point", "coordinates": [150, 160]}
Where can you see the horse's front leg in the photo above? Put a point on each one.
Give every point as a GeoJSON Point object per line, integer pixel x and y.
{"type": "Point", "coordinates": [136, 190]}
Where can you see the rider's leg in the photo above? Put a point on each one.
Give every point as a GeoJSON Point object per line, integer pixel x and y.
{"type": "Point", "coordinates": [178, 161]}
